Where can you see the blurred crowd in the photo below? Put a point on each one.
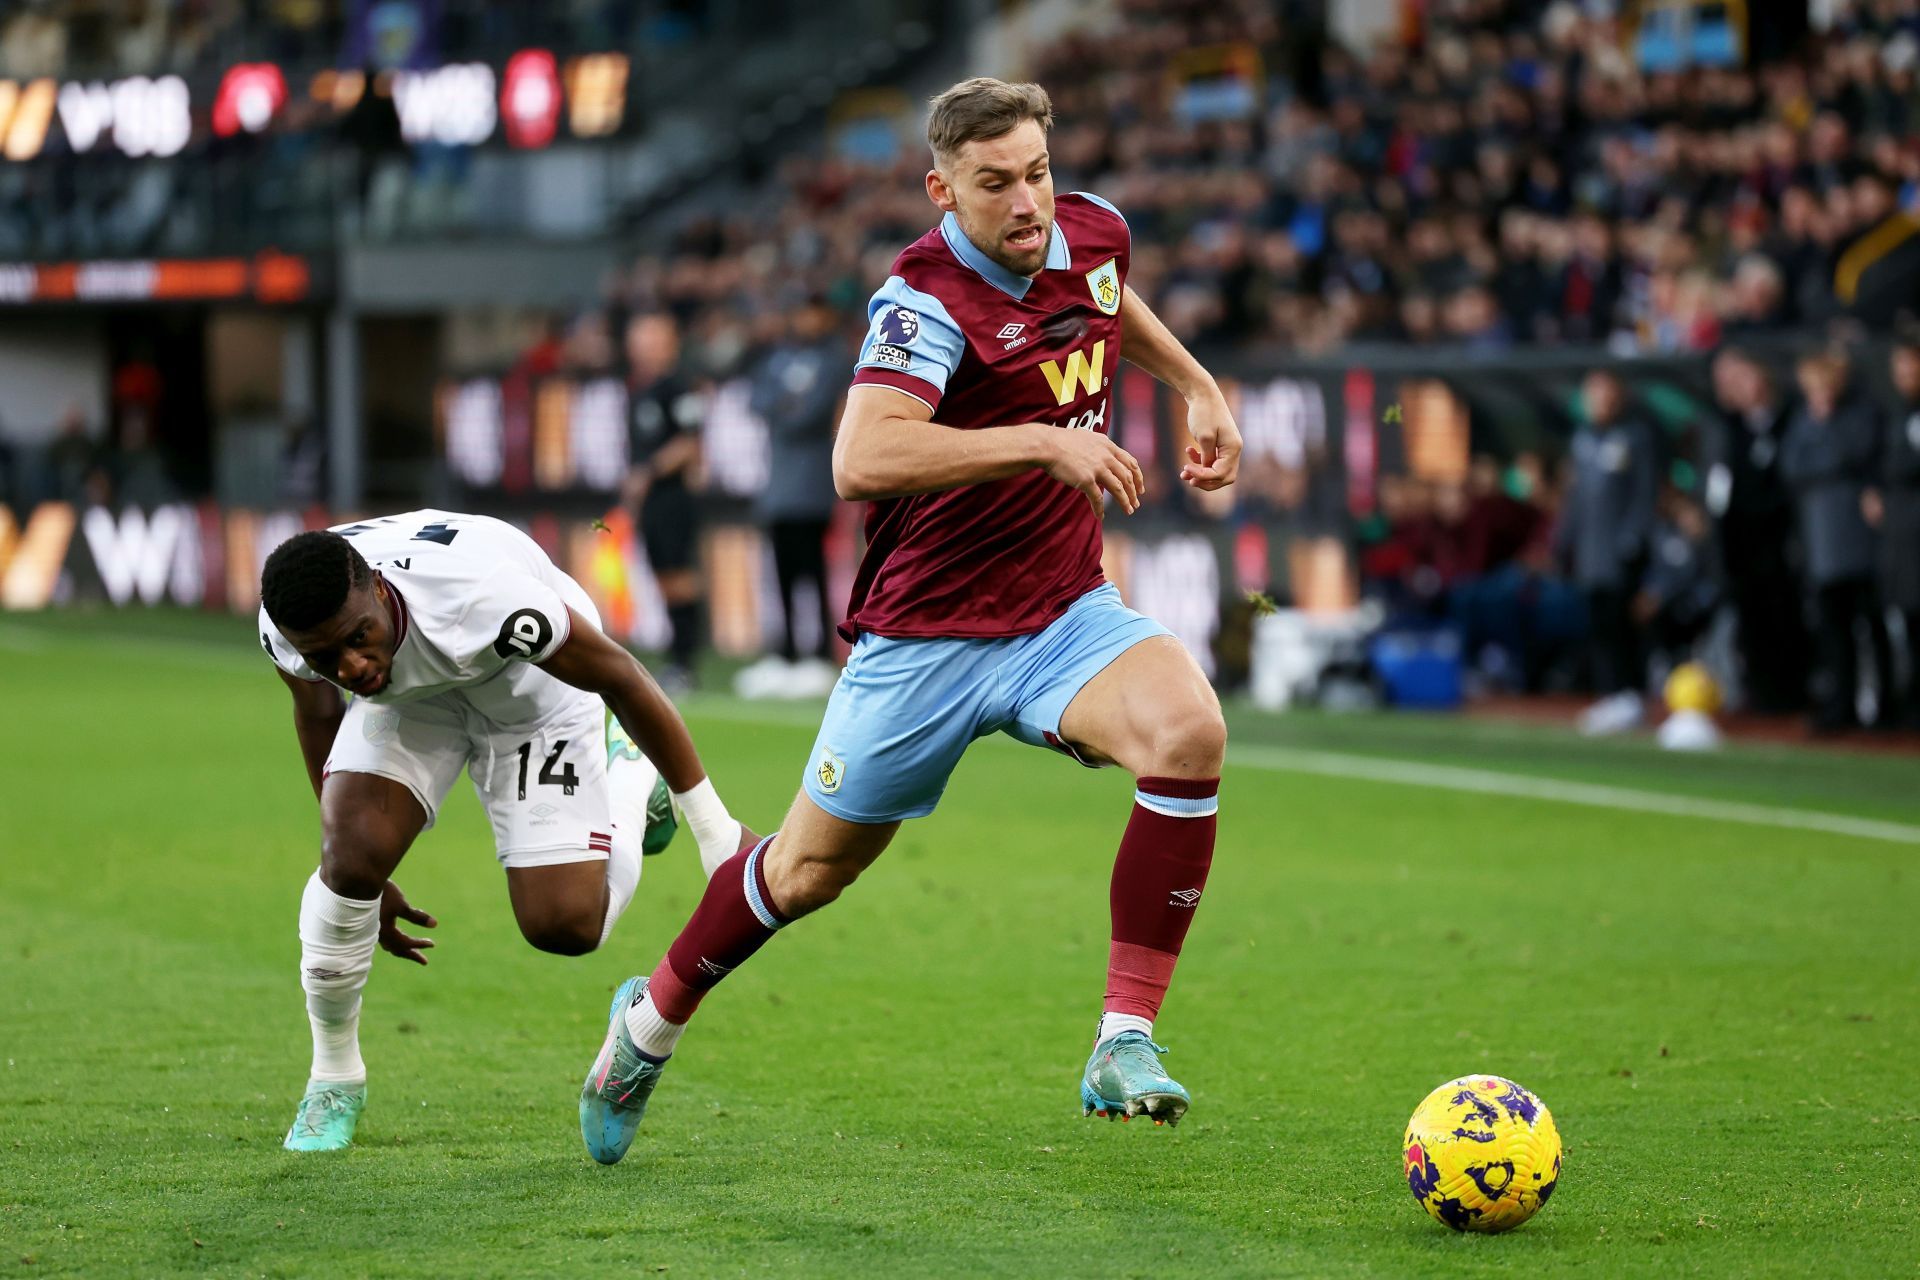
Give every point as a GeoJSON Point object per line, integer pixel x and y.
{"type": "Point", "coordinates": [1787, 522]}
{"type": "Point", "coordinates": [88, 462]}
{"type": "Point", "coordinates": [1506, 175]}
{"type": "Point", "coordinates": [1502, 173]}
{"type": "Point", "coordinates": [106, 39]}
{"type": "Point", "coordinates": [1512, 178]}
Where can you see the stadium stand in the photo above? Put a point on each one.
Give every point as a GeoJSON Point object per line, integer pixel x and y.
{"type": "Point", "coordinates": [1527, 190]}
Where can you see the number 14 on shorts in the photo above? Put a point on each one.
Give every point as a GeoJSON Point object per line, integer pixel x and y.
{"type": "Point", "coordinates": [565, 778]}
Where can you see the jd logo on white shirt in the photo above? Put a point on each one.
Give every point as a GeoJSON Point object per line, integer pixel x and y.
{"type": "Point", "coordinates": [524, 633]}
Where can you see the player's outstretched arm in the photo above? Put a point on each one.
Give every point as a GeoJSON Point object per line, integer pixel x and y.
{"type": "Point", "coordinates": [589, 660]}
{"type": "Point", "coordinates": [1214, 460]}
{"type": "Point", "coordinates": [317, 712]}
{"type": "Point", "coordinates": [889, 446]}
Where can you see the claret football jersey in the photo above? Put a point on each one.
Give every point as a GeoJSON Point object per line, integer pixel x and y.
{"type": "Point", "coordinates": [475, 603]}
{"type": "Point", "coordinates": [984, 347]}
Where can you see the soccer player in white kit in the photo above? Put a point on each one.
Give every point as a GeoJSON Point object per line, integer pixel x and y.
{"type": "Point", "coordinates": [464, 646]}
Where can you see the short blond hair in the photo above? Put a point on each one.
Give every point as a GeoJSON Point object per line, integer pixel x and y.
{"type": "Point", "coordinates": [1828, 367]}
{"type": "Point", "coordinates": [982, 108]}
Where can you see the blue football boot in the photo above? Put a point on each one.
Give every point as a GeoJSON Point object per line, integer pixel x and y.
{"type": "Point", "coordinates": [1124, 1078]}
{"type": "Point", "coordinates": [614, 1097]}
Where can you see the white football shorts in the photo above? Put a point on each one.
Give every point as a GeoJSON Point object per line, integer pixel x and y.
{"type": "Point", "coordinates": [543, 785]}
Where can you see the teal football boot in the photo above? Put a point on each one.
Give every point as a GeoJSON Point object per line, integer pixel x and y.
{"type": "Point", "coordinates": [1124, 1078]}
{"type": "Point", "coordinates": [327, 1116]}
{"type": "Point", "coordinates": [614, 1097]}
{"type": "Point", "coordinates": [662, 821]}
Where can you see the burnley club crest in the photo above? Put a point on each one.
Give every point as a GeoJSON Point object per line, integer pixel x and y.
{"type": "Point", "coordinates": [1104, 283]}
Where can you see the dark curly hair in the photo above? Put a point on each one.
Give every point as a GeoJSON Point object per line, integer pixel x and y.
{"type": "Point", "coordinates": [308, 577]}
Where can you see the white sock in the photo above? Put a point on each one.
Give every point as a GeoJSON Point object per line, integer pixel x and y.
{"type": "Point", "coordinates": [629, 785]}
{"type": "Point", "coordinates": [337, 937]}
{"type": "Point", "coordinates": [652, 1034]}
{"type": "Point", "coordinates": [336, 1048]}
{"type": "Point", "coordinates": [1112, 1024]}
{"type": "Point", "coordinates": [714, 829]}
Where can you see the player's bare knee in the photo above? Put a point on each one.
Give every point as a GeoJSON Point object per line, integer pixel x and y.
{"type": "Point", "coordinates": [563, 940]}
{"type": "Point", "coordinates": [562, 935]}
{"type": "Point", "coordinates": [355, 857]}
{"type": "Point", "coordinates": [1191, 742]}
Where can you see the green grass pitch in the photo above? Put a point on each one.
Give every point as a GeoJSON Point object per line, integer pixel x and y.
{"type": "Point", "coordinates": [1721, 1016]}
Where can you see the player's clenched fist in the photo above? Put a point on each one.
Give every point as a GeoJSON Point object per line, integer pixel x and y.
{"type": "Point", "coordinates": [1090, 462]}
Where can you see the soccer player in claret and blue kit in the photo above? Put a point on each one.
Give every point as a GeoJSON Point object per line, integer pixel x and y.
{"type": "Point", "coordinates": [976, 430]}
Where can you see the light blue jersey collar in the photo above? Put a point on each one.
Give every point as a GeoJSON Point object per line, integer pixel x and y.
{"type": "Point", "coordinates": [992, 272]}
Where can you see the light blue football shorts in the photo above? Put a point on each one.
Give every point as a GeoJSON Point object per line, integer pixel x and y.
{"type": "Point", "coordinates": [906, 709]}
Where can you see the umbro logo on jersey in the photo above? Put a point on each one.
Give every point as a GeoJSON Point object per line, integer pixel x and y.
{"type": "Point", "coordinates": [1010, 331]}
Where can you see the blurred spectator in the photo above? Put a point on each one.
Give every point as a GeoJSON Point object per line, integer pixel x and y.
{"type": "Point", "coordinates": [1605, 531]}
{"type": "Point", "coordinates": [1515, 619]}
{"type": "Point", "coordinates": [1587, 290]}
{"type": "Point", "coordinates": [303, 462]}
{"type": "Point", "coordinates": [1752, 510]}
{"type": "Point", "coordinates": [371, 131]}
{"type": "Point", "coordinates": [33, 42]}
{"type": "Point", "coordinates": [796, 391]}
{"type": "Point", "coordinates": [1395, 562]}
{"type": "Point", "coordinates": [664, 443]}
{"type": "Point", "coordinates": [1830, 460]}
{"type": "Point", "coordinates": [1680, 312]}
{"type": "Point", "coordinates": [140, 476]}
{"type": "Point", "coordinates": [78, 465]}
{"type": "Point", "coordinates": [1894, 509]}
{"type": "Point", "coordinates": [1499, 526]}
{"type": "Point", "coordinates": [1757, 297]}
{"type": "Point", "coordinates": [1680, 592]}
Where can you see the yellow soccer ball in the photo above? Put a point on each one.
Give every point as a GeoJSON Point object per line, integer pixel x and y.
{"type": "Point", "coordinates": [1482, 1154]}
{"type": "Point", "coordinates": [1691, 687]}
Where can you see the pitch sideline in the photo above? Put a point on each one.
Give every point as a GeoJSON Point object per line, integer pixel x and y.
{"type": "Point", "coordinates": [1595, 795]}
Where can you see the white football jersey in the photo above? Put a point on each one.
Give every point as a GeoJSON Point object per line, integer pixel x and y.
{"type": "Point", "coordinates": [476, 600]}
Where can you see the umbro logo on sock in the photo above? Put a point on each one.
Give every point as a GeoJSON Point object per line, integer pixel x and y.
{"type": "Point", "coordinates": [325, 975]}
{"type": "Point", "coordinates": [717, 970]}
{"type": "Point", "coordinates": [1184, 898]}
